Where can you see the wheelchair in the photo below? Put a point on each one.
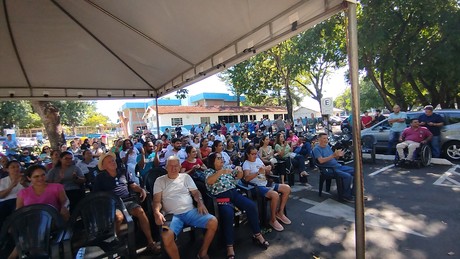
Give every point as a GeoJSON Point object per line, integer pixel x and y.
{"type": "Point", "coordinates": [422, 157]}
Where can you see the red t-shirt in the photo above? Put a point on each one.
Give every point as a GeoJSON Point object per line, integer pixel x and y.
{"type": "Point", "coordinates": [187, 165]}
{"type": "Point", "coordinates": [366, 120]}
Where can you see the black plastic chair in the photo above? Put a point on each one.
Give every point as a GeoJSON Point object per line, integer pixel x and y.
{"type": "Point", "coordinates": [36, 229]}
{"type": "Point", "coordinates": [368, 143]}
{"type": "Point", "coordinates": [92, 224]}
{"type": "Point", "coordinates": [262, 201]}
{"type": "Point", "coordinates": [327, 174]}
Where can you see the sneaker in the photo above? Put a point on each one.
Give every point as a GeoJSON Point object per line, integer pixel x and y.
{"type": "Point", "coordinates": [349, 200]}
{"type": "Point", "coordinates": [309, 186]}
{"type": "Point", "coordinates": [303, 174]}
{"type": "Point", "coordinates": [276, 226]}
{"type": "Point", "coordinates": [284, 219]}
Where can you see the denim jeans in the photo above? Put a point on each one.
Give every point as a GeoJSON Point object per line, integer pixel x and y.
{"type": "Point", "coordinates": [347, 173]}
{"type": "Point", "coordinates": [393, 138]}
{"type": "Point", "coordinates": [227, 214]}
{"type": "Point", "coordinates": [436, 146]}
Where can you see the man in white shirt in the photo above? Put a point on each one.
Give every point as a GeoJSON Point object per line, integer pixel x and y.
{"type": "Point", "coordinates": [173, 193]}
{"type": "Point", "coordinates": [176, 150]}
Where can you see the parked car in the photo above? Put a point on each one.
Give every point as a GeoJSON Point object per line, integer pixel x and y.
{"type": "Point", "coordinates": [450, 132]}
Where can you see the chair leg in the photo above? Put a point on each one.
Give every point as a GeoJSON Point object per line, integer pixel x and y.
{"type": "Point", "coordinates": [321, 183]}
{"type": "Point", "coordinates": [328, 185]}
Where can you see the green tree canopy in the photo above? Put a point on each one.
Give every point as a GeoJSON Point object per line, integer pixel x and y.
{"type": "Point", "coordinates": [410, 50]}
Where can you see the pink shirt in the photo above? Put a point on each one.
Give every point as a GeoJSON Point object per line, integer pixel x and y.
{"type": "Point", "coordinates": [417, 135]}
{"type": "Point", "coordinates": [49, 196]}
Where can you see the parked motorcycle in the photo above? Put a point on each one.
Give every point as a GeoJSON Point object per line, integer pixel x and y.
{"type": "Point", "coordinates": [345, 143]}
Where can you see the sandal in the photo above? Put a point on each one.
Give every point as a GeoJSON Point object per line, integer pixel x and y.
{"type": "Point", "coordinates": [263, 244]}
{"type": "Point", "coordinates": [155, 248]}
{"type": "Point", "coordinates": [230, 256]}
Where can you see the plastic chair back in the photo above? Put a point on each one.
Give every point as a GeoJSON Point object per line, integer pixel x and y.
{"type": "Point", "coordinates": [31, 227]}
{"type": "Point", "coordinates": [97, 214]}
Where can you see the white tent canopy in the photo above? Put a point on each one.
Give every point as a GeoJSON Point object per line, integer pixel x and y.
{"type": "Point", "coordinates": [99, 49]}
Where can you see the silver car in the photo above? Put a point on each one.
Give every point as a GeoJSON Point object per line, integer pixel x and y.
{"type": "Point", "coordinates": [450, 132]}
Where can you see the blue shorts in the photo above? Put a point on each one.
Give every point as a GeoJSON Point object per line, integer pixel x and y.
{"type": "Point", "coordinates": [190, 218]}
{"type": "Point", "coordinates": [263, 190]}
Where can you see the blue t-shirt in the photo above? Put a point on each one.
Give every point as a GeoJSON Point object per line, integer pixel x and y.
{"type": "Point", "coordinates": [319, 151]}
{"type": "Point", "coordinates": [148, 163]}
{"type": "Point", "coordinates": [118, 185]}
{"type": "Point", "coordinates": [435, 118]}
{"type": "Point", "coordinates": [398, 126]}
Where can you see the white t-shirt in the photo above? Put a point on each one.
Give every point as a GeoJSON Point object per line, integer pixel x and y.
{"type": "Point", "coordinates": [253, 168]}
{"type": "Point", "coordinates": [5, 183]}
{"type": "Point", "coordinates": [84, 166]}
{"type": "Point", "coordinates": [176, 197]}
{"type": "Point", "coordinates": [181, 154]}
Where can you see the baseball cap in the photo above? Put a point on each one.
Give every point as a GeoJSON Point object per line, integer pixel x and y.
{"type": "Point", "coordinates": [428, 107]}
{"type": "Point", "coordinates": [102, 157]}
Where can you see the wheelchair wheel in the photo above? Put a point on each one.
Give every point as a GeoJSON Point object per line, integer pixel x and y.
{"type": "Point", "coordinates": [425, 155]}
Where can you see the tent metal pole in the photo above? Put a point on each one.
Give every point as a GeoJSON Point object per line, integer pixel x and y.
{"type": "Point", "coordinates": [353, 65]}
{"type": "Point", "coordinates": [158, 117]}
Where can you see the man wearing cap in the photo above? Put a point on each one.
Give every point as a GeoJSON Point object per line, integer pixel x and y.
{"type": "Point", "coordinates": [173, 194]}
{"type": "Point", "coordinates": [397, 120]}
{"type": "Point", "coordinates": [112, 179]}
{"type": "Point", "coordinates": [434, 123]}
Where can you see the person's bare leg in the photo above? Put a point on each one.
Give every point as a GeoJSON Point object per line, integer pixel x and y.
{"type": "Point", "coordinates": [118, 221]}
{"type": "Point", "coordinates": [273, 197]}
{"type": "Point", "coordinates": [139, 213]}
{"type": "Point", "coordinates": [285, 190]}
{"type": "Point", "coordinates": [14, 254]}
{"type": "Point", "coordinates": [170, 244]}
{"type": "Point", "coordinates": [211, 229]}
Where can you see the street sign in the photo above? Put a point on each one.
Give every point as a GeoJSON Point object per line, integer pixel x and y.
{"type": "Point", "coordinates": [327, 106]}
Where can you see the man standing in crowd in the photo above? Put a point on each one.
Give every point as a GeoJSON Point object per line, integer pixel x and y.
{"type": "Point", "coordinates": [397, 120]}
{"type": "Point", "coordinates": [178, 130]}
{"type": "Point", "coordinates": [411, 138]}
{"type": "Point", "coordinates": [11, 147]}
{"type": "Point", "coordinates": [434, 123]}
{"type": "Point", "coordinates": [366, 120]}
{"type": "Point", "coordinates": [173, 193]}
{"type": "Point", "coordinates": [312, 123]}
{"type": "Point", "coordinates": [280, 127]}
{"type": "Point", "coordinates": [378, 117]}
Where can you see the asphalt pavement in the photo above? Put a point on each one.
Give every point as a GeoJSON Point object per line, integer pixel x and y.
{"type": "Point", "coordinates": [411, 213]}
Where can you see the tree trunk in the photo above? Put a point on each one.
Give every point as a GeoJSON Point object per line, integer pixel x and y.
{"type": "Point", "coordinates": [288, 100]}
{"type": "Point", "coordinates": [51, 120]}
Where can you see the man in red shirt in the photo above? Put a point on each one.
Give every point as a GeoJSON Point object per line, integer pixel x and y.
{"type": "Point", "coordinates": [411, 138]}
{"type": "Point", "coordinates": [366, 120]}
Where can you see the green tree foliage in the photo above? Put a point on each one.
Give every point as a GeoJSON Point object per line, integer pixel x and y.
{"type": "Point", "coordinates": [181, 94]}
{"type": "Point", "coordinates": [410, 50]}
{"type": "Point", "coordinates": [320, 51]}
{"type": "Point", "coordinates": [368, 96]}
{"type": "Point", "coordinates": [95, 119]}
{"type": "Point", "coordinates": [18, 114]}
{"type": "Point", "coordinates": [286, 73]}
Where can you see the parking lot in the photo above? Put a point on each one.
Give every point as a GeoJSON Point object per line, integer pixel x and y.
{"type": "Point", "coordinates": [411, 213]}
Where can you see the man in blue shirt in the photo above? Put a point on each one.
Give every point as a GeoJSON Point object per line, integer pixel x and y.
{"type": "Point", "coordinates": [326, 157]}
{"type": "Point", "coordinates": [397, 120]}
{"type": "Point", "coordinates": [149, 157]}
{"type": "Point", "coordinates": [434, 123]}
{"type": "Point", "coordinates": [11, 147]}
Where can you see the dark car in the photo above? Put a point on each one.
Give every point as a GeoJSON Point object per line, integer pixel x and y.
{"type": "Point", "coordinates": [450, 132]}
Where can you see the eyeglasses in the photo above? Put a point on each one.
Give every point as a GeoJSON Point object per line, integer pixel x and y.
{"type": "Point", "coordinates": [218, 157]}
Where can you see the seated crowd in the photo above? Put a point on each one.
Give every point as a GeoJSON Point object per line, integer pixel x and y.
{"type": "Point", "coordinates": [204, 164]}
